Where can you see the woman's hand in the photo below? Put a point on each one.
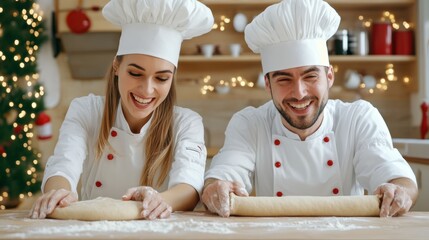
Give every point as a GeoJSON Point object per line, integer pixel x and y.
{"type": "Point", "coordinates": [46, 203]}
{"type": "Point", "coordinates": [154, 206]}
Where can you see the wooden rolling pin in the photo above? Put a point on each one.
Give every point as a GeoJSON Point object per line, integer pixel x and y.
{"type": "Point", "coordinates": [341, 206]}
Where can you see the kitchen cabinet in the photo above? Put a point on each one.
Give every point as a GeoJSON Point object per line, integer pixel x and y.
{"type": "Point", "coordinates": [217, 109]}
{"type": "Point", "coordinates": [421, 170]}
{"type": "Point", "coordinates": [416, 152]}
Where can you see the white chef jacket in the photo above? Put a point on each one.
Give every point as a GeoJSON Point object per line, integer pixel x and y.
{"type": "Point", "coordinates": [120, 168]}
{"type": "Point", "coordinates": [351, 151]}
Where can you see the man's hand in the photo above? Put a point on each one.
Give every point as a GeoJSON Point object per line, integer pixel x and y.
{"type": "Point", "coordinates": [154, 206]}
{"type": "Point", "coordinates": [216, 196]}
{"type": "Point", "coordinates": [396, 200]}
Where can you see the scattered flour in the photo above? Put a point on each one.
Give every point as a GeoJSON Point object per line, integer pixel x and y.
{"type": "Point", "coordinates": [187, 225]}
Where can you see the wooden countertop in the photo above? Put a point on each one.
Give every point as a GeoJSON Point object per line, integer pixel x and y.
{"type": "Point", "coordinates": [199, 225]}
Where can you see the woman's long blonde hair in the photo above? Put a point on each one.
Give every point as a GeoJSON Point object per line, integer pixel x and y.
{"type": "Point", "coordinates": [159, 139]}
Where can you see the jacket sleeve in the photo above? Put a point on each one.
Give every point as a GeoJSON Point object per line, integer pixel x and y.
{"type": "Point", "coordinates": [71, 149]}
{"type": "Point", "coordinates": [236, 160]}
{"type": "Point", "coordinates": [190, 153]}
{"type": "Point", "coordinates": [376, 161]}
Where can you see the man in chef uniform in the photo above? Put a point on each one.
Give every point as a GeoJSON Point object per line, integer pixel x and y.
{"type": "Point", "coordinates": [134, 143]}
{"type": "Point", "coordinates": [301, 143]}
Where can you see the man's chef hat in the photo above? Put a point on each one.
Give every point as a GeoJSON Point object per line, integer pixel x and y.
{"type": "Point", "coordinates": [292, 33]}
{"type": "Point", "coordinates": [158, 27]}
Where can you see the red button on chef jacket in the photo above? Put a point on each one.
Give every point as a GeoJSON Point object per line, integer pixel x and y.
{"type": "Point", "coordinates": [335, 191]}
{"type": "Point", "coordinates": [326, 139]}
{"type": "Point", "coordinates": [276, 142]}
{"type": "Point", "coordinates": [279, 194]}
{"type": "Point", "coordinates": [114, 133]}
{"type": "Point", "coordinates": [98, 184]}
{"type": "Point", "coordinates": [110, 156]}
{"type": "Point", "coordinates": [330, 163]}
{"type": "Point", "coordinates": [278, 164]}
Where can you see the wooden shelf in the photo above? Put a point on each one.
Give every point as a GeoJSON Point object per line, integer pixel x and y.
{"type": "Point", "coordinates": [333, 58]}
{"type": "Point", "coordinates": [220, 58]}
{"type": "Point", "coordinates": [372, 58]}
{"type": "Point", "coordinates": [370, 3]}
{"type": "Point", "coordinates": [351, 3]}
{"type": "Point", "coordinates": [240, 2]}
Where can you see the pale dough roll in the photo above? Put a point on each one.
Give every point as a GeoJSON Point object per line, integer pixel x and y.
{"type": "Point", "coordinates": [100, 208]}
{"type": "Point", "coordinates": [341, 206]}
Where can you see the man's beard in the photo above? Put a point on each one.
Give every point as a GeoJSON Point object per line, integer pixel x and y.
{"type": "Point", "coordinates": [301, 123]}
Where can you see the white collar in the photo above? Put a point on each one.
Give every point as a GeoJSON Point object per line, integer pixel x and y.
{"type": "Point", "coordinates": [325, 126]}
{"type": "Point", "coordinates": [122, 123]}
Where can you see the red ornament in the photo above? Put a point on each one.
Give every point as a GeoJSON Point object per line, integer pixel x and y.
{"type": "Point", "coordinates": [78, 21]}
{"type": "Point", "coordinates": [43, 126]}
{"type": "Point", "coordinates": [18, 129]}
{"type": "Point", "coordinates": [424, 125]}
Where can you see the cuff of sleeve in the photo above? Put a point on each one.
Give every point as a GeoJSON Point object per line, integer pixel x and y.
{"type": "Point", "coordinates": [73, 185]}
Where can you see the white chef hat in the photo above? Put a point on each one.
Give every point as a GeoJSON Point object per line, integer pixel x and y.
{"type": "Point", "coordinates": [292, 33]}
{"type": "Point", "coordinates": [158, 27]}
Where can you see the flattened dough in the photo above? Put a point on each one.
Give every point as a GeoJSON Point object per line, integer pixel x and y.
{"type": "Point", "coordinates": [341, 206]}
{"type": "Point", "coordinates": [101, 208]}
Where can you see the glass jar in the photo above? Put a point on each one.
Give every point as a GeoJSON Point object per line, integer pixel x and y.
{"type": "Point", "coordinates": [341, 42]}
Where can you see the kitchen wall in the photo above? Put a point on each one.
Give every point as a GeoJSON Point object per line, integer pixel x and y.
{"type": "Point", "coordinates": [215, 109]}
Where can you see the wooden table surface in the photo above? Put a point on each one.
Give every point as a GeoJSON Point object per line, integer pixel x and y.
{"type": "Point", "coordinates": [199, 225]}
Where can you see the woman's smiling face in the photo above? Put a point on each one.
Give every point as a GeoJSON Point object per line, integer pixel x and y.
{"type": "Point", "coordinates": [144, 82]}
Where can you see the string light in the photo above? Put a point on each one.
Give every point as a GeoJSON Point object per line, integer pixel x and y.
{"type": "Point", "coordinates": [19, 57]}
{"type": "Point", "coordinates": [390, 72]}
{"type": "Point", "coordinates": [406, 80]}
{"type": "Point", "coordinates": [238, 81]}
{"type": "Point", "coordinates": [222, 23]}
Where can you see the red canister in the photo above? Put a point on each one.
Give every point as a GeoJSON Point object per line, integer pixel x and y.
{"type": "Point", "coordinates": [381, 38]}
{"type": "Point", "coordinates": [403, 42]}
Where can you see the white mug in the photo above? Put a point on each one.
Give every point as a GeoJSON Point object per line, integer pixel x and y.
{"type": "Point", "coordinates": [235, 49]}
{"type": "Point", "coordinates": [352, 79]}
{"type": "Point", "coordinates": [208, 50]}
{"type": "Point", "coordinates": [370, 81]}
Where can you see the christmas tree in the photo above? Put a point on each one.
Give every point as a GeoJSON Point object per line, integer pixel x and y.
{"type": "Point", "coordinates": [21, 98]}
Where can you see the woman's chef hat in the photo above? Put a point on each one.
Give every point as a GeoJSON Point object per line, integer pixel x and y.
{"type": "Point", "coordinates": [158, 27]}
{"type": "Point", "coordinates": [292, 33]}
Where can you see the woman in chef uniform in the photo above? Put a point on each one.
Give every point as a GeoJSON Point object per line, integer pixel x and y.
{"type": "Point", "coordinates": [301, 143]}
{"type": "Point", "coordinates": [134, 143]}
